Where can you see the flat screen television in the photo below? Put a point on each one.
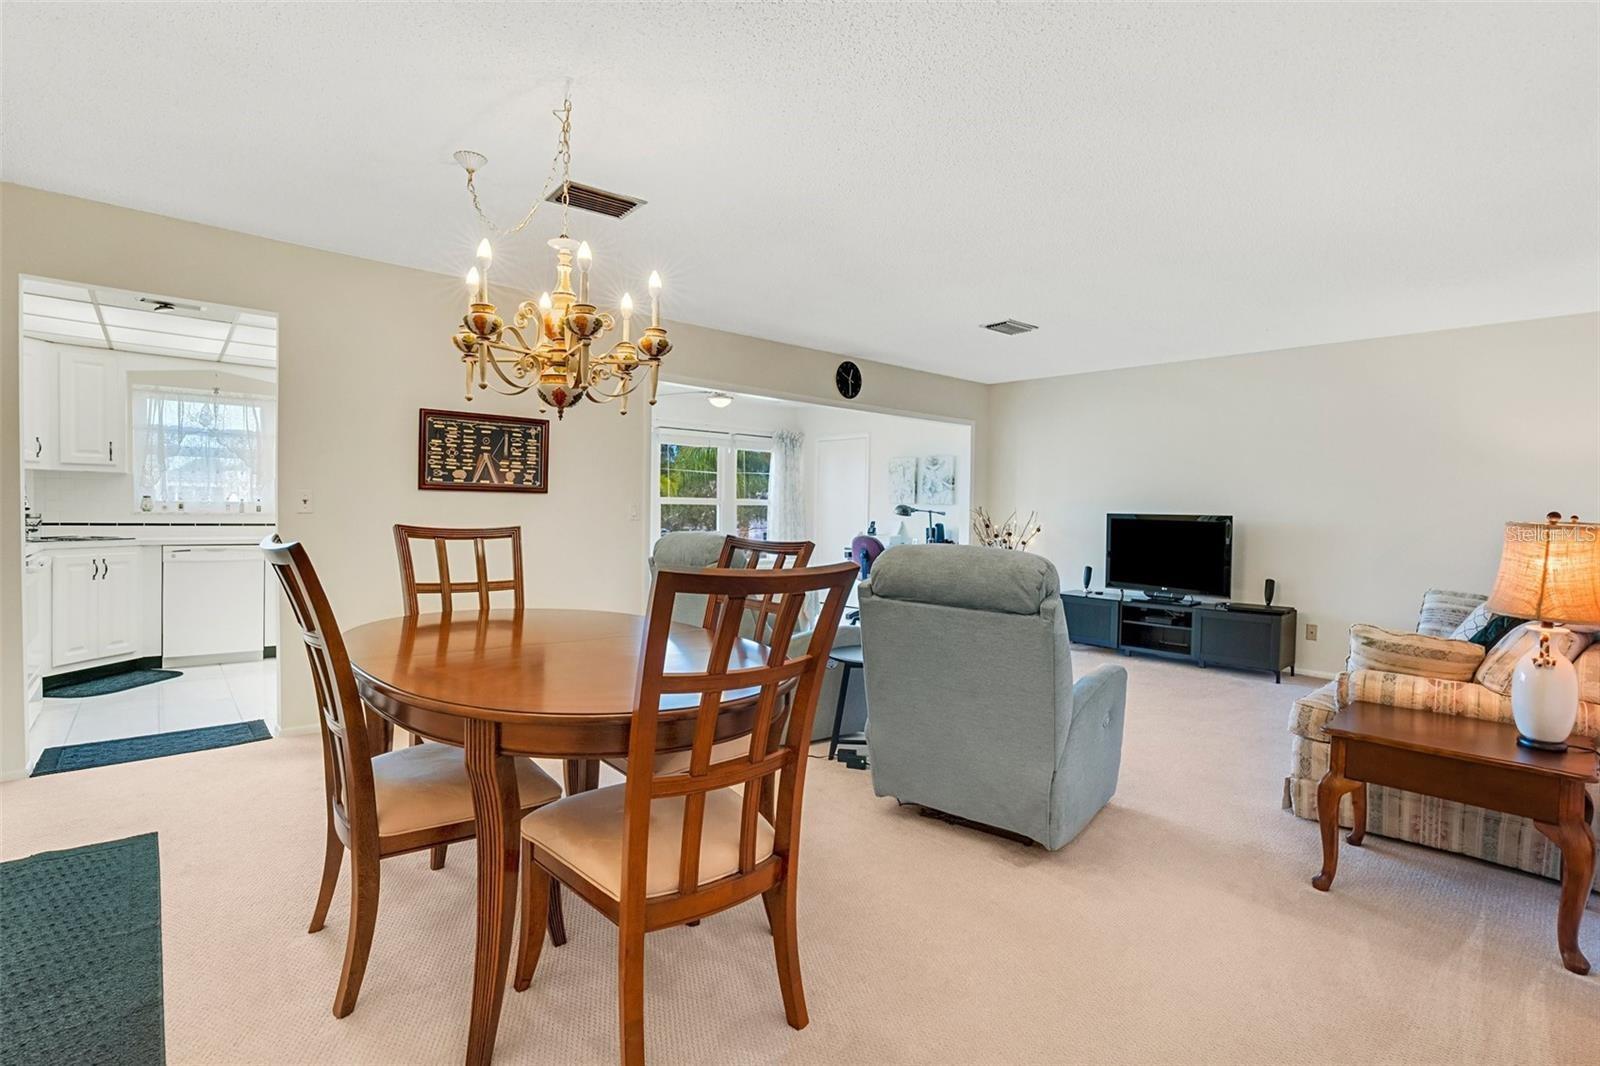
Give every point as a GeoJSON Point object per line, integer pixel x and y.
{"type": "Point", "coordinates": [1170, 555]}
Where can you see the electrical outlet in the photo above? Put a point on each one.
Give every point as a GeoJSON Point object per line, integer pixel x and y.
{"type": "Point", "coordinates": [302, 503]}
{"type": "Point", "coordinates": [1311, 631]}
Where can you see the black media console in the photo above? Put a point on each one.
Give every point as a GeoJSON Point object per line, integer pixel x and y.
{"type": "Point", "coordinates": [1247, 637]}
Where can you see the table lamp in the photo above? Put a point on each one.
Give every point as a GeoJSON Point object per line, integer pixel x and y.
{"type": "Point", "coordinates": [1549, 572]}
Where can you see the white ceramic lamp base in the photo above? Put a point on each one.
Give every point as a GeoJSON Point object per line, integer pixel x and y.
{"type": "Point", "coordinates": [1544, 696]}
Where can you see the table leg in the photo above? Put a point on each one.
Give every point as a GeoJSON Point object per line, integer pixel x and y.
{"type": "Point", "coordinates": [495, 810]}
{"type": "Point", "coordinates": [838, 710]}
{"type": "Point", "coordinates": [583, 775]}
{"type": "Point", "coordinates": [1577, 846]}
{"type": "Point", "coordinates": [1358, 827]}
{"type": "Point", "coordinates": [1330, 790]}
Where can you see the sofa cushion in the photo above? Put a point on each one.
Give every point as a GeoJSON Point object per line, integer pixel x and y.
{"type": "Point", "coordinates": [1483, 627]}
{"type": "Point", "coordinates": [1498, 666]}
{"type": "Point", "coordinates": [1443, 610]}
{"type": "Point", "coordinates": [1372, 648]}
{"type": "Point", "coordinates": [966, 575]}
{"type": "Point", "coordinates": [1312, 711]}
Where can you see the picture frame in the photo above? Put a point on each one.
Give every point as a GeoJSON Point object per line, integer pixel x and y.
{"type": "Point", "coordinates": [471, 452]}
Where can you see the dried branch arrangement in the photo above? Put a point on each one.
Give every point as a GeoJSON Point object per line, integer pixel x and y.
{"type": "Point", "coordinates": [1008, 534]}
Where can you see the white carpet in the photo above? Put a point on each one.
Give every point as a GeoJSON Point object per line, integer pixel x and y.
{"type": "Point", "coordinates": [1181, 927]}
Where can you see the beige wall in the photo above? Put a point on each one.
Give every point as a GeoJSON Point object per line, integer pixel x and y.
{"type": "Point", "coordinates": [1358, 474]}
{"type": "Point", "coordinates": [363, 345]}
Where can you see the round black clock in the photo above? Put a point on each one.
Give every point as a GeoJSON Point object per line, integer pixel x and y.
{"type": "Point", "coordinates": [847, 379]}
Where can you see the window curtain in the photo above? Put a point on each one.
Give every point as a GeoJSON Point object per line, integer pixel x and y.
{"type": "Point", "coordinates": [205, 448]}
{"type": "Point", "coordinates": [788, 501]}
{"type": "Point", "coordinates": [788, 486]}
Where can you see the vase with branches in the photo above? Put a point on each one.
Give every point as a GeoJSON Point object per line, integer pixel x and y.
{"type": "Point", "coordinates": [1010, 534]}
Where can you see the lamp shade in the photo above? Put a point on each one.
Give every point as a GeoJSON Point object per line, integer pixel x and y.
{"type": "Point", "coordinates": [1549, 571]}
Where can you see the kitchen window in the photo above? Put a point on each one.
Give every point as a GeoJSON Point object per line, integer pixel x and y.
{"type": "Point", "coordinates": [713, 481]}
{"type": "Point", "coordinates": [206, 450]}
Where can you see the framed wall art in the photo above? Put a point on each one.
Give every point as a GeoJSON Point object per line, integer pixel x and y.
{"type": "Point", "coordinates": [484, 453]}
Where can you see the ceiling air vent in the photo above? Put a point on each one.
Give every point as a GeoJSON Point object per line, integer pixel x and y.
{"type": "Point", "coordinates": [1011, 327]}
{"type": "Point", "coordinates": [599, 201]}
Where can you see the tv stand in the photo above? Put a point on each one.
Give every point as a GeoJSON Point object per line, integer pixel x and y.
{"type": "Point", "coordinates": [1206, 634]}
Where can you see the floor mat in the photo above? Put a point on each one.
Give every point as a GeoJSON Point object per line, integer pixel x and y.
{"type": "Point", "coordinates": [80, 962]}
{"type": "Point", "coordinates": [105, 686]}
{"type": "Point", "coordinates": [154, 746]}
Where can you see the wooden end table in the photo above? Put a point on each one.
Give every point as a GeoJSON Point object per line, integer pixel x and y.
{"type": "Point", "coordinates": [1471, 761]}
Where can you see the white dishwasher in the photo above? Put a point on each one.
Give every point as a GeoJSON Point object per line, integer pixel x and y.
{"type": "Point", "coordinates": [211, 602]}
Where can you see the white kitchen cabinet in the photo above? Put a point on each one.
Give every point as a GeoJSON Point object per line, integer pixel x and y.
{"type": "Point", "coordinates": [93, 410]}
{"type": "Point", "coordinates": [118, 629]}
{"type": "Point", "coordinates": [39, 405]}
{"type": "Point", "coordinates": [95, 608]}
{"type": "Point", "coordinates": [35, 618]}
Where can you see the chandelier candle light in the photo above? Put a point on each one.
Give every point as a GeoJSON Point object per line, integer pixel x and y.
{"type": "Point", "coordinates": [558, 363]}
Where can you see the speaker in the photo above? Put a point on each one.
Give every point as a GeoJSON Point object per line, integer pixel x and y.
{"type": "Point", "coordinates": [1267, 592]}
{"type": "Point", "coordinates": [1088, 572]}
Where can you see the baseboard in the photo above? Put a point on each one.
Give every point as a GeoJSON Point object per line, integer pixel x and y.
{"type": "Point", "coordinates": [1318, 674]}
{"type": "Point", "coordinates": [297, 730]}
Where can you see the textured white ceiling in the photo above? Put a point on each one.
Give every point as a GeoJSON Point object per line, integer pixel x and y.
{"type": "Point", "coordinates": [1146, 183]}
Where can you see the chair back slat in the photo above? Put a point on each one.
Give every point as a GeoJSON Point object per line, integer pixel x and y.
{"type": "Point", "coordinates": [782, 692]}
{"type": "Point", "coordinates": [346, 741]}
{"type": "Point", "coordinates": [445, 588]}
{"type": "Point", "coordinates": [746, 554]}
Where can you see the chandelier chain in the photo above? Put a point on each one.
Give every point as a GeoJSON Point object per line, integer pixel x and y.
{"type": "Point", "coordinates": [562, 160]}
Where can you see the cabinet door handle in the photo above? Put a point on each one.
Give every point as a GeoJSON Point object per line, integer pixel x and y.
{"type": "Point", "coordinates": [38, 447]}
{"type": "Point", "coordinates": [96, 564]}
{"type": "Point", "coordinates": [111, 452]}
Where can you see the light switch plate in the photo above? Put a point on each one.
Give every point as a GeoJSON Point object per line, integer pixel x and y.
{"type": "Point", "coordinates": [302, 503]}
{"type": "Point", "coordinates": [1311, 631]}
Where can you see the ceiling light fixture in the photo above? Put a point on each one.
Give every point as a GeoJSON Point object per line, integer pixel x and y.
{"type": "Point", "coordinates": [559, 365]}
{"type": "Point", "coordinates": [719, 399]}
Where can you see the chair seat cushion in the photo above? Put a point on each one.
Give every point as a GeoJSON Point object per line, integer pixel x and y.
{"type": "Point", "coordinates": [426, 786]}
{"type": "Point", "coordinates": [676, 762]}
{"type": "Point", "coordinates": [584, 832]}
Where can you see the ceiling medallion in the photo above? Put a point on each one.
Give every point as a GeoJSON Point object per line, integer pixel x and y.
{"type": "Point", "coordinates": [563, 324]}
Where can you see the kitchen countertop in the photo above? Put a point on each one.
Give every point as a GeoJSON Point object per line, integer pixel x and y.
{"type": "Point", "coordinates": [135, 536]}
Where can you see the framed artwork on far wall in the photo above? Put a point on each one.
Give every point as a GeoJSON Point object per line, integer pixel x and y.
{"type": "Point", "coordinates": [483, 453]}
{"type": "Point", "coordinates": [936, 479]}
{"type": "Point", "coordinates": [903, 480]}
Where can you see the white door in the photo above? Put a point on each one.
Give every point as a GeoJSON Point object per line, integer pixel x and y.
{"type": "Point", "coordinates": [93, 409]}
{"type": "Point", "coordinates": [118, 596]}
{"type": "Point", "coordinates": [839, 497]}
{"type": "Point", "coordinates": [74, 608]}
{"type": "Point", "coordinates": [39, 405]}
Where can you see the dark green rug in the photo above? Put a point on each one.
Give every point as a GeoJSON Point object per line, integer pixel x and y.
{"type": "Point", "coordinates": [80, 956]}
{"type": "Point", "coordinates": [105, 686]}
{"type": "Point", "coordinates": [134, 749]}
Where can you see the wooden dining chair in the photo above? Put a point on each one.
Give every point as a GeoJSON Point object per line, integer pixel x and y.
{"type": "Point", "coordinates": [750, 554]}
{"type": "Point", "coordinates": [667, 849]}
{"type": "Point", "coordinates": [411, 590]}
{"type": "Point", "coordinates": [379, 804]}
{"type": "Point", "coordinates": [446, 589]}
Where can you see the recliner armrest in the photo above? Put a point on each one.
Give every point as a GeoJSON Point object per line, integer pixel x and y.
{"type": "Point", "coordinates": [1103, 689]}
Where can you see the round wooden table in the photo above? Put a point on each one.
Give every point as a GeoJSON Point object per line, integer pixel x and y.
{"type": "Point", "coordinates": [540, 682]}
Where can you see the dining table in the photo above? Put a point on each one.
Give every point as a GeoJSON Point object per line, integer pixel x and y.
{"type": "Point", "coordinates": [540, 682]}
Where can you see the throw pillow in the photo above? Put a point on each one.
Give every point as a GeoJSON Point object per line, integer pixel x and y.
{"type": "Point", "coordinates": [1588, 665]}
{"type": "Point", "coordinates": [1386, 651]}
{"type": "Point", "coordinates": [1498, 665]}
{"type": "Point", "coordinates": [1485, 628]}
{"type": "Point", "coordinates": [1443, 610]}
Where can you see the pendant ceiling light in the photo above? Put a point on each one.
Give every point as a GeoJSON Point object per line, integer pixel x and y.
{"type": "Point", "coordinates": [547, 345]}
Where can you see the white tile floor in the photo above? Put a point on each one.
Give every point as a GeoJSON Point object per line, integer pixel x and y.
{"type": "Point", "coordinates": [204, 695]}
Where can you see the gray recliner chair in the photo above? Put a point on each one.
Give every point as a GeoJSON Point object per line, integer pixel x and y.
{"type": "Point", "coordinates": [696, 551]}
{"type": "Point", "coordinates": [974, 710]}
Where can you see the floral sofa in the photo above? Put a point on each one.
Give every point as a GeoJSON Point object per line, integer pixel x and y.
{"type": "Point", "coordinates": [1435, 670]}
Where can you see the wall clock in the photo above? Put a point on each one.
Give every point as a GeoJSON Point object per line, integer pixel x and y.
{"type": "Point", "coordinates": [847, 379]}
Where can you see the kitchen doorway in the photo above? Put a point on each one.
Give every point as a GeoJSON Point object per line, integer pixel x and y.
{"type": "Point", "coordinates": [149, 474]}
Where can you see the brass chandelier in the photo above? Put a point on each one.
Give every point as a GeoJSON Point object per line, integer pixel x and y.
{"type": "Point", "coordinates": [562, 323]}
